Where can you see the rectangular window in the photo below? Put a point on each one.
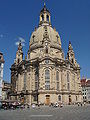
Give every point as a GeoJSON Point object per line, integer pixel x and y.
{"type": "Point", "coordinates": [68, 87]}
{"type": "Point", "coordinates": [47, 87]}
{"type": "Point", "coordinates": [35, 98]}
{"type": "Point", "coordinates": [57, 85]}
{"type": "Point", "coordinates": [57, 76]}
{"type": "Point", "coordinates": [67, 77]}
{"type": "Point", "coordinates": [24, 81]}
{"type": "Point", "coordinates": [57, 80]}
{"type": "Point", "coordinates": [47, 79]}
{"type": "Point", "coordinates": [36, 85]}
{"type": "Point", "coordinates": [36, 78]}
{"type": "Point", "coordinates": [68, 82]}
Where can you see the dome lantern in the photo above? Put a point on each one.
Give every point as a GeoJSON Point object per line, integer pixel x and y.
{"type": "Point", "coordinates": [45, 16]}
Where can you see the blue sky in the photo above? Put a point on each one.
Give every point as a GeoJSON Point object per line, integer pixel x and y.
{"type": "Point", "coordinates": [71, 18]}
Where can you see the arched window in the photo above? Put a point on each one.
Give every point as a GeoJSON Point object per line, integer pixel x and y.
{"type": "Point", "coordinates": [42, 17]}
{"type": "Point", "coordinates": [25, 81]}
{"type": "Point", "coordinates": [47, 18]}
{"type": "Point", "coordinates": [18, 60]}
{"type": "Point", "coordinates": [68, 81]}
{"type": "Point", "coordinates": [47, 79]}
{"type": "Point", "coordinates": [57, 75]}
{"type": "Point", "coordinates": [36, 78]}
{"type": "Point", "coordinates": [59, 98]}
{"type": "Point", "coordinates": [47, 61]}
{"type": "Point", "coordinates": [67, 77]}
{"type": "Point", "coordinates": [72, 60]}
{"type": "Point", "coordinates": [57, 79]}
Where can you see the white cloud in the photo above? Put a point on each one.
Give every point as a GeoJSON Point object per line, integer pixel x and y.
{"type": "Point", "coordinates": [17, 43]}
{"type": "Point", "coordinates": [22, 39]}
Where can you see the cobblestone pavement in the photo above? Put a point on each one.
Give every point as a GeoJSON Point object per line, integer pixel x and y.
{"type": "Point", "coordinates": [48, 113]}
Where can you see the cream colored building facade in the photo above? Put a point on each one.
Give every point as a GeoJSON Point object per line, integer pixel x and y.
{"type": "Point", "coordinates": [45, 75]}
{"type": "Point", "coordinates": [1, 73]}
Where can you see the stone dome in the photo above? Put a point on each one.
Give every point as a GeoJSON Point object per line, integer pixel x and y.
{"type": "Point", "coordinates": [43, 31]}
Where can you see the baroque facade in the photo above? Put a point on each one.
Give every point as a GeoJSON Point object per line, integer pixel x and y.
{"type": "Point", "coordinates": [45, 75]}
{"type": "Point", "coordinates": [1, 73]}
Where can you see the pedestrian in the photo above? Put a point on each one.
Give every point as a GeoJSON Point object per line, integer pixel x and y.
{"type": "Point", "coordinates": [78, 104]}
{"type": "Point", "coordinates": [84, 103]}
{"type": "Point", "coordinates": [81, 104]}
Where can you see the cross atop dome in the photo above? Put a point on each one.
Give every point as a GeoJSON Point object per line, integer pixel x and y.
{"type": "Point", "coordinates": [45, 16]}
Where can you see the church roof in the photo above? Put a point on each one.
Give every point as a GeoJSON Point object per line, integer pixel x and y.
{"type": "Point", "coordinates": [47, 32]}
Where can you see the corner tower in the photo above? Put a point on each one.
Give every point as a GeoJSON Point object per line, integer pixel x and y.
{"type": "Point", "coordinates": [70, 54]}
{"type": "Point", "coordinates": [19, 54]}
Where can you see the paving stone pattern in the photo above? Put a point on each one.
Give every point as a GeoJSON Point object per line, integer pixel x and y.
{"type": "Point", "coordinates": [48, 113]}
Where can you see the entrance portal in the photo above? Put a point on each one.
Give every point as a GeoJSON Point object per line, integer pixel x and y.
{"type": "Point", "coordinates": [47, 100]}
{"type": "Point", "coordinates": [70, 100]}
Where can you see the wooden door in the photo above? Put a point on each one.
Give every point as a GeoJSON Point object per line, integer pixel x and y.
{"type": "Point", "coordinates": [47, 99]}
{"type": "Point", "coordinates": [70, 100]}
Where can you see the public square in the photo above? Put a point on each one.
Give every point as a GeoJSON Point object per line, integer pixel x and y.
{"type": "Point", "coordinates": [48, 113]}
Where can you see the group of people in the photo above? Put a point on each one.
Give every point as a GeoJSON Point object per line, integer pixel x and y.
{"type": "Point", "coordinates": [16, 105]}
{"type": "Point", "coordinates": [81, 104]}
{"type": "Point", "coordinates": [9, 105]}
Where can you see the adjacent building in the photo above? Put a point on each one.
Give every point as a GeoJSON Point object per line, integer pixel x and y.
{"type": "Point", "coordinates": [45, 75]}
{"type": "Point", "coordinates": [1, 73]}
{"type": "Point", "coordinates": [85, 83]}
{"type": "Point", "coordinates": [6, 90]}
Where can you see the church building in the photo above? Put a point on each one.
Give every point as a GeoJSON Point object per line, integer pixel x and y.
{"type": "Point", "coordinates": [45, 75]}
